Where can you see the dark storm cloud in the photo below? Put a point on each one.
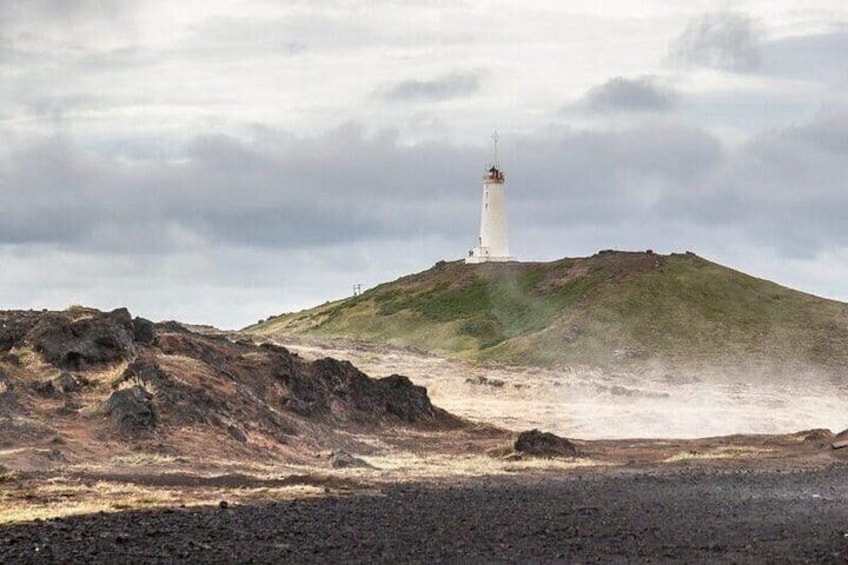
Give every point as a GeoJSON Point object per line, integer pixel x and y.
{"type": "Point", "coordinates": [721, 40]}
{"type": "Point", "coordinates": [621, 94]}
{"type": "Point", "coordinates": [454, 85]}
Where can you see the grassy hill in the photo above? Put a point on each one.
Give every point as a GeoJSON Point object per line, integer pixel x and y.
{"type": "Point", "coordinates": [608, 309]}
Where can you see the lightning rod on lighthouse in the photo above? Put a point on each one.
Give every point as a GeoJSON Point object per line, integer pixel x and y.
{"type": "Point", "coordinates": [492, 244]}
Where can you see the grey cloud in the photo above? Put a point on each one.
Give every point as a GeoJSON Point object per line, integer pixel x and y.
{"type": "Point", "coordinates": [621, 94]}
{"type": "Point", "coordinates": [63, 9]}
{"type": "Point", "coordinates": [656, 184]}
{"type": "Point", "coordinates": [307, 192]}
{"type": "Point", "coordinates": [812, 57]}
{"type": "Point", "coordinates": [340, 187]}
{"type": "Point", "coordinates": [237, 36]}
{"type": "Point", "coordinates": [721, 40]}
{"type": "Point", "coordinates": [57, 105]}
{"type": "Point", "coordinates": [346, 186]}
{"type": "Point", "coordinates": [41, 38]}
{"type": "Point", "coordinates": [785, 189]}
{"type": "Point", "coordinates": [454, 85]}
{"type": "Point", "coordinates": [29, 18]}
{"type": "Point", "coordinates": [313, 27]}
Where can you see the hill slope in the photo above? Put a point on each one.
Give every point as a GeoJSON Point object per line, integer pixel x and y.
{"type": "Point", "coordinates": [611, 308]}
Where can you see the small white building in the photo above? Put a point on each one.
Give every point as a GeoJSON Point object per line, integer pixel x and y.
{"type": "Point", "coordinates": [492, 244]}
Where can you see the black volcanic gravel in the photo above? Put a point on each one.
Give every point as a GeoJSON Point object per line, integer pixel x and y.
{"type": "Point", "coordinates": [686, 516]}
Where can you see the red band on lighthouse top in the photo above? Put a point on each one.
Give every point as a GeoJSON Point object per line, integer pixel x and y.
{"type": "Point", "coordinates": [494, 174]}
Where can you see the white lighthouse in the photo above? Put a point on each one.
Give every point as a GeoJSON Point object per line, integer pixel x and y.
{"type": "Point", "coordinates": [492, 244]}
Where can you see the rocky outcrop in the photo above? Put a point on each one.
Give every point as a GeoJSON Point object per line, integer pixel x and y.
{"type": "Point", "coordinates": [184, 404]}
{"type": "Point", "coordinates": [144, 331]}
{"type": "Point", "coordinates": [76, 339]}
{"type": "Point", "coordinates": [332, 387]}
{"type": "Point", "coordinates": [85, 342]}
{"type": "Point", "coordinates": [132, 410]}
{"type": "Point", "coordinates": [405, 400]}
{"type": "Point", "coordinates": [240, 393]}
{"type": "Point", "coordinates": [544, 444]}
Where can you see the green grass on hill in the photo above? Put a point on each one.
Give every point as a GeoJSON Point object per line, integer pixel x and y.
{"type": "Point", "coordinates": [614, 307]}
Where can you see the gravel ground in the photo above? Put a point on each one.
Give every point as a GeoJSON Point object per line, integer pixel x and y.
{"type": "Point", "coordinates": [689, 515]}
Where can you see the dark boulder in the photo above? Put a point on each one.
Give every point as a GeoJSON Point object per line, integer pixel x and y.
{"type": "Point", "coordinates": [405, 400]}
{"type": "Point", "coordinates": [14, 327]}
{"type": "Point", "coordinates": [544, 444]}
{"type": "Point", "coordinates": [67, 383]}
{"type": "Point", "coordinates": [45, 388]}
{"type": "Point", "coordinates": [132, 409]}
{"type": "Point", "coordinates": [338, 379]}
{"type": "Point", "coordinates": [94, 339]}
{"type": "Point", "coordinates": [344, 460]}
{"type": "Point", "coordinates": [144, 331]}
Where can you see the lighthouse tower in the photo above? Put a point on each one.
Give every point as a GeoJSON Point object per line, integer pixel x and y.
{"type": "Point", "coordinates": [492, 244]}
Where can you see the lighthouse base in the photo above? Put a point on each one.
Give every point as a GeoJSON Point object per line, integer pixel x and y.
{"type": "Point", "coordinates": [483, 255]}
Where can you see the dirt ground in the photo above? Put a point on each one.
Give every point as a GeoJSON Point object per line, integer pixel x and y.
{"type": "Point", "coordinates": [741, 500]}
{"type": "Point", "coordinates": [400, 456]}
{"type": "Point", "coordinates": [455, 494]}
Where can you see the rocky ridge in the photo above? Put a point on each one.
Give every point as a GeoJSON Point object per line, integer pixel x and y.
{"type": "Point", "coordinates": [80, 375]}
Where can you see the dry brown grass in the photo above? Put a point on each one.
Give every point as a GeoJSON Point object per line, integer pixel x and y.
{"type": "Point", "coordinates": [195, 373]}
{"type": "Point", "coordinates": [62, 496]}
{"type": "Point", "coordinates": [31, 360]}
{"type": "Point", "coordinates": [721, 452]}
{"type": "Point", "coordinates": [144, 459]}
{"type": "Point", "coordinates": [135, 381]}
{"type": "Point", "coordinates": [108, 375]}
{"type": "Point", "coordinates": [402, 467]}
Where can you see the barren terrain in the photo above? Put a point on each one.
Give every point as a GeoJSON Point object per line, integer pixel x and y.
{"type": "Point", "coordinates": [122, 437]}
{"type": "Point", "coordinates": [592, 403]}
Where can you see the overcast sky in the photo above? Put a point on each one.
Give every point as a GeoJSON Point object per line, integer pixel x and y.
{"type": "Point", "coordinates": [220, 161]}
